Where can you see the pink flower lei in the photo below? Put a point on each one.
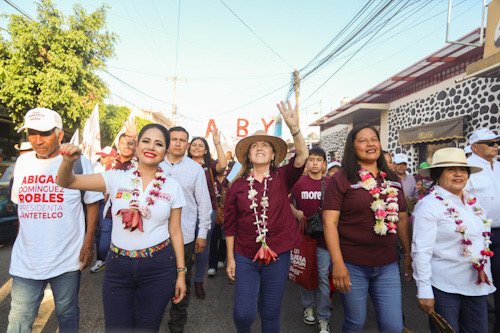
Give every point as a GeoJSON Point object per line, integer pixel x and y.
{"type": "Point", "coordinates": [386, 211]}
{"type": "Point", "coordinates": [478, 263]}
{"type": "Point", "coordinates": [132, 216]}
{"type": "Point", "coordinates": [265, 255]}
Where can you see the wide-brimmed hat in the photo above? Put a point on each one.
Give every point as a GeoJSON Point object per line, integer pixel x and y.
{"type": "Point", "coordinates": [449, 157]}
{"type": "Point", "coordinates": [279, 146]}
{"type": "Point", "coordinates": [23, 146]}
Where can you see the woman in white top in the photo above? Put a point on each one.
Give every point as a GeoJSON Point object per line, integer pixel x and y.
{"type": "Point", "coordinates": [450, 249]}
{"type": "Point", "coordinates": [145, 265]}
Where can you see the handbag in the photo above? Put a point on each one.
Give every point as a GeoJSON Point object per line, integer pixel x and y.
{"type": "Point", "coordinates": [304, 264]}
{"type": "Point", "coordinates": [314, 226]}
{"type": "Point", "coordinates": [441, 324]}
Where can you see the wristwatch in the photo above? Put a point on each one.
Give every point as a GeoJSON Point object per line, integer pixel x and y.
{"type": "Point", "coordinates": [182, 269]}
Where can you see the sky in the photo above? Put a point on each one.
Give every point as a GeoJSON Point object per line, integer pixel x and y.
{"type": "Point", "coordinates": [225, 66]}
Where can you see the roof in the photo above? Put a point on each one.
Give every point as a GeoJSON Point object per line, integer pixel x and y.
{"type": "Point", "coordinates": [441, 65]}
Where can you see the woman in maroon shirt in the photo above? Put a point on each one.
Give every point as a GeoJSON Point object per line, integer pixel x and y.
{"type": "Point", "coordinates": [363, 213]}
{"type": "Point", "coordinates": [259, 224]}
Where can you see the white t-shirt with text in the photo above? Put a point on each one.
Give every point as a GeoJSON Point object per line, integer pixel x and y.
{"type": "Point", "coordinates": [119, 185]}
{"type": "Point", "coordinates": [51, 219]}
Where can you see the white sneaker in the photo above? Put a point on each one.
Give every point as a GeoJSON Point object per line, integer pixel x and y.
{"type": "Point", "coordinates": [309, 316]}
{"type": "Point", "coordinates": [323, 326]}
{"type": "Point", "coordinates": [220, 264]}
{"type": "Point", "coordinates": [99, 265]}
{"type": "Point", "coordinates": [211, 272]}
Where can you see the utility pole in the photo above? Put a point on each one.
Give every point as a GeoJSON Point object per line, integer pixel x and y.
{"type": "Point", "coordinates": [296, 86]}
{"type": "Point", "coordinates": [174, 79]}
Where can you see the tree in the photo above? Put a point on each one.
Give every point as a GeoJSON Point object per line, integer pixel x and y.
{"type": "Point", "coordinates": [111, 120]}
{"type": "Point", "coordinates": [53, 62]}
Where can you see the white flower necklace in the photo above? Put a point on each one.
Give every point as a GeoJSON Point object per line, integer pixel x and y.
{"type": "Point", "coordinates": [132, 217]}
{"type": "Point", "coordinates": [386, 211]}
{"type": "Point", "coordinates": [265, 255]}
{"type": "Point", "coordinates": [478, 263]}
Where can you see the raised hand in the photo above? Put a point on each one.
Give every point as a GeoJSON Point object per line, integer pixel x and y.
{"type": "Point", "coordinates": [70, 152]}
{"type": "Point", "coordinates": [290, 115]}
{"type": "Point", "coordinates": [216, 136]}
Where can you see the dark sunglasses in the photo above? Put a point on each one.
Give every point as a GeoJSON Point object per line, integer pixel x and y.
{"type": "Point", "coordinates": [490, 143]}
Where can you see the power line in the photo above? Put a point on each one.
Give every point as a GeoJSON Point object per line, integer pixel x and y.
{"type": "Point", "coordinates": [255, 34]}
{"type": "Point", "coordinates": [134, 88]}
{"type": "Point", "coordinates": [13, 5]}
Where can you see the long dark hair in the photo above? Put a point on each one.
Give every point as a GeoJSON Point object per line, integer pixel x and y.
{"type": "Point", "coordinates": [350, 160]}
{"type": "Point", "coordinates": [163, 130]}
{"type": "Point", "coordinates": [207, 157]}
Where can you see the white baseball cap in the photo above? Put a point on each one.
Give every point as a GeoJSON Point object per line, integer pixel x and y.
{"type": "Point", "coordinates": [400, 158]}
{"type": "Point", "coordinates": [333, 164]}
{"type": "Point", "coordinates": [41, 119]}
{"type": "Point", "coordinates": [482, 134]}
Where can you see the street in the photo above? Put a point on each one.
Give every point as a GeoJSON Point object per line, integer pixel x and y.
{"type": "Point", "coordinates": [214, 314]}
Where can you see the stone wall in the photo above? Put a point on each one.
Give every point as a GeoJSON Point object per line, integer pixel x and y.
{"type": "Point", "coordinates": [334, 142]}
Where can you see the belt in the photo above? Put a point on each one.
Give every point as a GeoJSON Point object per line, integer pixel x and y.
{"type": "Point", "coordinates": [143, 253]}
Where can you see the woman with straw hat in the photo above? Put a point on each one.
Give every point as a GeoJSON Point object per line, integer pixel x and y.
{"type": "Point", "coordinates": [259, 224]}
{"type": "Point", "coordinates": [450, 248]}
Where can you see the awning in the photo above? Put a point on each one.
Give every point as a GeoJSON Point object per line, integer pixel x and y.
{"type": "Point", "coordinates": [437, 131]}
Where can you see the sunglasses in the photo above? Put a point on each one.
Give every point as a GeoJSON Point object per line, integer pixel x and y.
{"type": "Point", "coordinates": [490, 143]}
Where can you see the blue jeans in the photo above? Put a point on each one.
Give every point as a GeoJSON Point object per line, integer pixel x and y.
{"type": "Point", "coordinates": [136, 291]}
{"type": "Point", "coordinates": [322, 294]}
{"type": "Point", "coordinates": [463, 313]}
{"type": "Point", "coordinates": [103, 234]}
{"type": "Point", "coordinates": [27, 295]}
{"type": "Point", "coordinates": [259, 286]}
{"type": "Point", "coordinates": [383, 284]}
{"type": "Point", "coordinates": [201, 260]}
{"type": "Point", "coordinates": [217, 247]}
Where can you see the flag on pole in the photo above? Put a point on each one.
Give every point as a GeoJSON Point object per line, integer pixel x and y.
{"type": "Point", "coordinates": [75, 139]}
{"type": "Point", "coordinates": [129, 128]}
{"type": "Point", "coordinates": [91, 140]}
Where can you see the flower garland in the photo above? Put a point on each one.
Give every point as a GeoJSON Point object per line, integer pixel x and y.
{"type": "Point", "coordinates": [265, 255]}
{"type": "Point", "coordinates": [478, 263]}
{"type": "Point", "coordinates": [386, 211]}
{"type": "Point", "coordinates": [132, 216]}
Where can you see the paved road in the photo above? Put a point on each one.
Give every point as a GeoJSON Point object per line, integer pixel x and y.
{"type": "Point", "coordinates": [210, 315]}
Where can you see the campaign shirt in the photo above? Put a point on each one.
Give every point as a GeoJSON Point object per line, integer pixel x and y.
{"type": "Point", "coordinates": [306, 194]}
{"type": "Point", "coordinates": [51, 219]}
{"type": "Point", "coordinates": [119, 185]}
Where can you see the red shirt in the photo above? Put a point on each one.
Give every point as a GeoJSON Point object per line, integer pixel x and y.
{"type": "Point", "coordinates": [283, 234]}
{"type": "Point", "coordinates": [358, 242]}
{"type": "Point", "coordinates": [307, 196]}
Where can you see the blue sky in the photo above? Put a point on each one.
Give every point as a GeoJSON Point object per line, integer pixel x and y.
{"type": "Point", "coordinates": [223, 66]}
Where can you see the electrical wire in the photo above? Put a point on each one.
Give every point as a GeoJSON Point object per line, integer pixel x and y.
{"type": "Point", "coordinates": [13, 5]}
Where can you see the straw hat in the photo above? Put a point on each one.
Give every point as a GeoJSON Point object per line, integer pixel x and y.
{"type": "Point", "coordinates": [279, 146]}
{"type": "Point", "coordinates": [449, 157]}
{"type": "Point", "coordinates": [23, 146]}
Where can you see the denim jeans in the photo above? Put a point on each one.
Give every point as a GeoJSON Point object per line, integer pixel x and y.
{"type": "Point", "coordinates": [103, 234]}
{"type": "Point", "coordinates": [495, 272]}
{"type": "Point", "coordinates": [322, 294]}
{"type": "Point", "coordinates": [178, 312]}
{"type": "Point", "coordinates": [217, 247]}
{"type": "Point", "coordinates": [201, 260]}
{"type": "Point", "coordinates": [259, 286]}
{"type": "Point", "coordinates": [383, 284]}
{"type": "Point", "coordinates": [136, 291]}
{"type": "Point", "coordinates": [27, 295]}
{"type": "Point", "coordinates": [463, 313]}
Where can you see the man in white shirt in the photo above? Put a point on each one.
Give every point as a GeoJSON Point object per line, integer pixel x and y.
{"type": "Point", "coordinates": [195, 215]}
{"type": "Point", "coordinates": [485, 185]}
{"type": "Point", "coordinates": [52, 245]}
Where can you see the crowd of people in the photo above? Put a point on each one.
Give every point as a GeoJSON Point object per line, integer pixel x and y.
{"type": "Point", "coordinates": [161, 208]}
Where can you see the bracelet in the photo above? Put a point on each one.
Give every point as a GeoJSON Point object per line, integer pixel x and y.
{"type": "Point", "coordinates": [182, 269]}
{"type": "Point", "coordinates": [294, 134]}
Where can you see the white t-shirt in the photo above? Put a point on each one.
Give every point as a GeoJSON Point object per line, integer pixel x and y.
{"type": "Point", "coordinates": [119, 185]}
{"type": "Point", "coordinates": [52, 222]}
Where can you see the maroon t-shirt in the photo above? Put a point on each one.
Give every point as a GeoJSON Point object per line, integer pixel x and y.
{"type": "Point", "coordinates": [359, 244]}
{"type": "Point", "coordinates": [283, 234]}
{"type": "Point", "coordinates": [306, 194]}
{"type": "Point", "coordinates": [211, 181]}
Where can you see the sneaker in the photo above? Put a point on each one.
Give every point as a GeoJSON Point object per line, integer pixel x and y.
{"type": "Point", "coordinates": [323, 326]}
{"type": "Point", "coordinates": [309, 316]}
{"type": "Point", "coordinates": [211, 272]}
{"type": "Point", "coordinates": [99, 265]}
{"type": "Point", "coordinates": [220, 264]}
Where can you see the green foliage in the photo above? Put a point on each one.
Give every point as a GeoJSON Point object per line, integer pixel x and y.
{"type": "Point", "coordinates": [141, 122]}
{"type": "Point", "coordinates": [112, 118]}
{"type": "Point", "coordinates": [52, 62]}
